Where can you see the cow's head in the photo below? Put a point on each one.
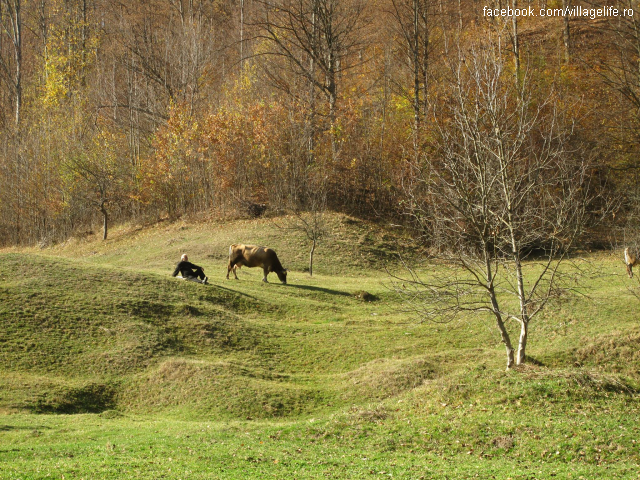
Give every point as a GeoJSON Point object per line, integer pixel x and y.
{"type": "Point", "coordinates": [282, 275]}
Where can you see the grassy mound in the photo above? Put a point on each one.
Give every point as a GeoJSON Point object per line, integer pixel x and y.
{"type": "Point", "coordinates": [323, 377]}
{"type": "Point", "coordinates": [201, 389]}
{"type": "Point", "coordinates": [351, 247]}
{"type": "Point", "coordinates": [93, 328]}
{"type": "Point", "coordinates": [111, 337]}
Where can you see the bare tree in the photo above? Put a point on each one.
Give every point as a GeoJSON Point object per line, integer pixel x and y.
{"type": "Point", "coordinates": [11, 68]}
{"type": "Point", "coordinates": [159, 56]}
{"type": "Point", "coordinates": [310, 221]}
{"type": "Point", "coordinates": [413, 18]}
{"type": "Point", "coordinates": [566, 30]}
{"type": "Point", "coordinates": [97, 173]}
{"type": "Point", "coordinates": [317, 39]}
{"type": "Point", "coordinates": [620, 71]}
{"type": "Point", "coordinates": [508, 195]}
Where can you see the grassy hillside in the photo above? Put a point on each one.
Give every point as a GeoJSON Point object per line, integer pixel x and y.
{"type": "Point", "coordinates": [350, 246]}
{"type": "Point", "coordinates": [111, 367]}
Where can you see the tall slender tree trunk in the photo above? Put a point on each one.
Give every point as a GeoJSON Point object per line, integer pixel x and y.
{"type": "Point", "coordinates": [241, 37]}
{"type": "Point", "coordinates": [334, 132]}
{"type": "Point", "coordinates": [14, 29]}
{"type": "Point", "coordinates": [331, 89]}
{"type": "Point", "coordinates": [18, 87]}
{"type": "Point", "coordinates": [313, 249]}
{"type": "Point", "coordinates": [311, 140]}
{"type": "Point", "coordinates": [83, 46]}
{"type": "Point", "coordinates": [416, 75]}
{"type": "Point", "coordinates": [636, 28]}
{"type": "Point", "coordinates": [516, 43]}
{"type": "Point", "coordinates": [524, 312]}
{"type": "Point", "coordinates": [504, 334]}
{"type": "Point", "coordinates": [105, 220]}
{"type": "Point", "coordinates": [522, 296]}
{"type": "Point", "coordinates": [522, 342]}
{"type": "Point", "coordinates": [566, 32]}
{"type": "Point", "coordinates": [425, 60]}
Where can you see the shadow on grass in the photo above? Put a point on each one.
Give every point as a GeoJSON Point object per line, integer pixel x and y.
{"type": "Point", "coordinates": [320, 289]}
{"type": "Point", "coordinates": [8, 428]}
{"type": "Point", "coordinates": [236, 292]}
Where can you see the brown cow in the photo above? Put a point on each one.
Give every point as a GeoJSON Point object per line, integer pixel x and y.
{"type": "Point", "coordinates": [254, 256]}
{"type": "Point", "coordinates": [630, 260]}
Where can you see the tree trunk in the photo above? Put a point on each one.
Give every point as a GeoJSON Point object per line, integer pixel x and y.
{"type": "Point", "coordinates": [504, 334]}
{"type": "Point", "coordinates": [83, 44]}
{"type": "Point", "coordinates": [522, 343]}
{"type": "Point", "coordinates": [566, 32]}
{"type": "Point", "coordinates": [241, 37]}
{"type": "Point", "coordinates": [516, 44]}
{"type": "Point", "coordinates": [425, 54]}
{"type": "Point", "coordinates": [524, 314]}
{"type": "Point", "coordinates": [105, 221]}
{"type": "Point", "coordinates": [416, 76]}
{"type": "Point", "coordinates": [332, 118]}
{"type": "Point", "coordinates": [332, 91]}
{"type": "Point", "coordinates": [311, 133]}
{"type": "Point", "coordinates": [503, 330]}
{"type": "Point", "coordinates": [522, 296]}
{"type": "Point", "coordinates": [313, 248]}
{"type": "Point", "coordinates": [14, 30]}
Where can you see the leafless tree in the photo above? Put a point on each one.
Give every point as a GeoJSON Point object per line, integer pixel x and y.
{"type": "Point", "coordinates": [414, 21]}
{"type": "Point", "coordinates": [160, 54]}
{"type": "Point", "coordinates": [97, 173]}
{"type": "Point", "coordinates": [515, 41]}
{"type": "Point", "coordinates": [508, 195]}
{"type": "Point", "coordinates": [620, 72]}
{"type": "Point", "coordinates": [13, 166]}
{"type": "Point", "coordinates": [310, 221]}
{"type": "Point", "coordinates": [320, 40]}
{"type": "Point", "coordinates": [11, 66]}
{"type": "Point", "coordinates": [566, 30]}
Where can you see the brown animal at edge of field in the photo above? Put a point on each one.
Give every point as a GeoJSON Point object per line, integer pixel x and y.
{"type": "Point", "coordinates": [630, 260]}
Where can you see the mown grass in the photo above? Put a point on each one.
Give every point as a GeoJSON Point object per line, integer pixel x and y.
{"type": "Point", "coordinates": [113, 369]}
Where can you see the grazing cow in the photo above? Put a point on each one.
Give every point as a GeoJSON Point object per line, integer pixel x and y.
{"type": "Point", "coordinates": [630, 260]}
{"type": "Point", "coordinates": [254, 256]}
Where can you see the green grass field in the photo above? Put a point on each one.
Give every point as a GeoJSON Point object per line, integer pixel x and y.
{"type": "Point", "coordinates": [113, 369]}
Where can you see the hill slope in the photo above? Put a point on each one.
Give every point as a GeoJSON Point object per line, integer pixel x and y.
{"type": "Point", "coordinates": [87, 334]}
{"type": "Point", "coordinates": [102, 328]}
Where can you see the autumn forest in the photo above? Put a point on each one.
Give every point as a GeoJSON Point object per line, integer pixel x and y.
{"type": "Point", "coordinates": [425, 113]}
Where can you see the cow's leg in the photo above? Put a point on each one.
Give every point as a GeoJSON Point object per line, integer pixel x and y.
{"type": "Point", "coordinates": [235, 267]}
{"type": "Point", "coordinates": [230, 268]}
{"type": "Point", "coordinates": [266, 272]}
{"type": "Point", "coordinates": [630, 270]}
